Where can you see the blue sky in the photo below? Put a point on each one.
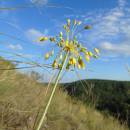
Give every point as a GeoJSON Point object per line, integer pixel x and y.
{"type": "Point", "coordinates": [110, 32]}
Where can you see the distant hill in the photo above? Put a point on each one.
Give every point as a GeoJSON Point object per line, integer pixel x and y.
{"type": "Point", "coordinates": [108, 96]}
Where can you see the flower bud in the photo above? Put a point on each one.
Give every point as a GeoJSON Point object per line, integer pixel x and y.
{"type": "Point", "coordinates": [90, 53]}
{"type": "Point", "coordinates": [47, 55]}
{"type": "Point", "coordinates": [68, 22]}
{"type": "Point", "coordinates": [52, 39]}
{"type": "Point", "coordinates": [96, 50]}
{"type": "Point", "coordinates": [87, 27]}
{"type": "Point", "coordinates": [87, 57]}
{"type": "Point", "coordinates": [41, 39]}
{"type": "Point", "coordinates": [79, 22]}
{"type": "Point", "coordinates": [61, 34]}
{"type": "Point", "coordinates": [54, 65]}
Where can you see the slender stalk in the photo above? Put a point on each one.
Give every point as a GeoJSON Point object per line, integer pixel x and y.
{"type": "Point", "coordinates": [52, 94]}
{"type": "Point", "coordinates": [49, 84]}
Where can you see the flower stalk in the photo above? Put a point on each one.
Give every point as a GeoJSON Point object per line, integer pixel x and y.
{"type": "Point", "coordinates": [39, 126]}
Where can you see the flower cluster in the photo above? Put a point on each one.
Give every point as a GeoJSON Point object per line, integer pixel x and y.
{"type": "Point", "coordinates": [68, 43]}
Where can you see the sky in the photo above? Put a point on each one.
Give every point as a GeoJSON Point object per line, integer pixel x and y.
{"type": "Point", "coordinates": [110, 21]}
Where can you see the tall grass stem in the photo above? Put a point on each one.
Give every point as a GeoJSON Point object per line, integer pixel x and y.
{"type": "Point", "coordinates": [52, 94]}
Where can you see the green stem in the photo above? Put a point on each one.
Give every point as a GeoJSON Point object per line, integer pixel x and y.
{"type": "Point", "coordinates": [52, 94]}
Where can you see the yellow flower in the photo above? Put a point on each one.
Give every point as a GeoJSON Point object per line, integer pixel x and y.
{"type": "Point", "coordinates": [79, 22]}
{"type": "Point", "coordinates": [59, 66]}
{"type": "Point", "coordinates": [81, 63]}
{"type": "Point", "coordinates": [70, 45]}
{"type": "Point", "coordinates": [90, 53]}
{"type": "Point", "coordinates": [72, 61]}
{"type": "Point", "coordinates": [61, 34]}
{"type": "Point", "coordinates": [83, 49]}
{"type": "Point", "coordinates": [68, 22]}
{"type": "Point", "coordinates": [79, 66]}
{"type": "Point", "coordinates": [54, 65]}
{"type": "Point", "coordinates": [67, 48]}
{"type": "Point", "coordinates": [67, 43]}
{"type": "Point", "coordinates": [47, 55]}
{"type": "Point", "coordinates": [96, 50]}
{"type": "Point", "coordinates": [65, 27]}
{"type": "Point", "coordinates": [87, 57]}
{"type": "Point", "coordinates": [42, 39]}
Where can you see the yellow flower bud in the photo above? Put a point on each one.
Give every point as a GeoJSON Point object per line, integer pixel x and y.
{"type": "Point", "coordinates": [96, 50]}
{"type": "Point", "coordinates": [54, 65]}
{"type": "Point", "coordinates": [68, 22]}
{"type": "Point", "coordinates": [72, 61]}
{"type": "Point", "coordinates": [83, 49]}
{"type": "Point", "coordinates": [83, 66]}
{"type": "Point", "coordinates": [79, 22]}
{"type": "Point", "coordinates": [61, 34]}
{"type": "Point", "coordinates": [41, 39]}
{"type": "Point", "coordinates": [47, 55]}
{"type": "Point", "coordinates": [65, 27]}
{"type": "Point", "coordinates": [90, 53]}
{"type": "Point", "coordinates": [59, 66]}
{"type": "Point", "coordinates": [87, 57]}
{"type": "Point", "coordinates": [81, 63]}
{"type": "Point", "coordinates": [67, 43]}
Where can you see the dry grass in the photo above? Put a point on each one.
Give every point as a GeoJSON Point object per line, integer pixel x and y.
{"type": "Point", "coordinates": [21, 99]}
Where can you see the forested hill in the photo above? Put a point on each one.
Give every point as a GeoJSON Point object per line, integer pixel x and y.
{"type": "Point", "coordinates": [109, 96]}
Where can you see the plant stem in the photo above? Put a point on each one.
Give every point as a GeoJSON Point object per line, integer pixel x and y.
{"type": "Point", "coordinates": [52, 94]}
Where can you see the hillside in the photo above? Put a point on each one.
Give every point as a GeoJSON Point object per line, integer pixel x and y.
{"type": "Point", "coordinates": [110, 97]}
{"type": "Point", "coordinates": [21, 99]}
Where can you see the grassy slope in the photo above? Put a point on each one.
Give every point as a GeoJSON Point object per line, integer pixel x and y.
{"type": "Point", "coordinates": [112, 97]}
{"type": "Point", "coordinates": [21, 99]}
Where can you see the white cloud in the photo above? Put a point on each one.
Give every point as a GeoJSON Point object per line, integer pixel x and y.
{"type": "Point", "coordinates": [109, 24]}
{"type": "Point", "coordinates": [15, 47]}
{"type": "Point", "coordinates": [121, 3]}
{"type": "Point", "coordinates": [122, 48]}
{"type": "Point", "coordinates": [28, 55]}
{"type": "Point", "coordinates": [113, 27]}
{"type": "Point", "coordinates": [33, 34]}
{"type": "Point", "coordinates": [39, 2]}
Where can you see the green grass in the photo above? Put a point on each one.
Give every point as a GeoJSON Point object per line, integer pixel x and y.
{"type": "Point", "coordinates": [21, 100]}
